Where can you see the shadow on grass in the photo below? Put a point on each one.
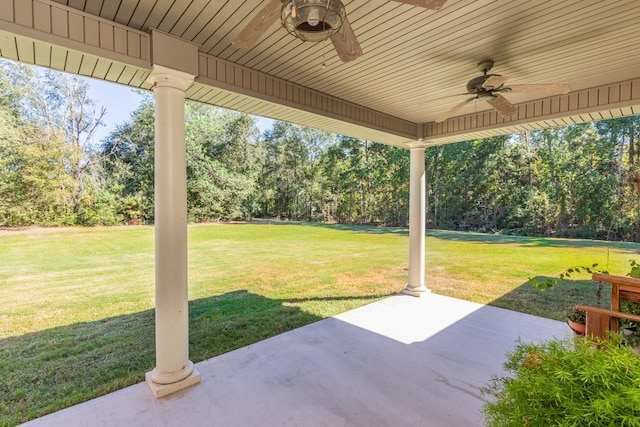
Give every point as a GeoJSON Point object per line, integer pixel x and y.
{"type": "Point", "coordinates": [354, 228]}
{"type": "Point", "coordinates": [530, 241]}
{"type": "Point", "coordinates": [552, 302]}
{"type": "Point", "coordinates": [368, 229]}
{"type": "Point", "coordinates": [46, 371]}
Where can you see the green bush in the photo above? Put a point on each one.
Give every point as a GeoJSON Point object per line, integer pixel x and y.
{"type": "Point", "coordinates": [567, 383]}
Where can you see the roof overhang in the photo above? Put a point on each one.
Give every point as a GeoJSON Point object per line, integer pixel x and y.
{"type": "Point", "coordinates": [371, 98]}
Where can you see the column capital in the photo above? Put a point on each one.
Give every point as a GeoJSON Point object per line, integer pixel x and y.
{"type": "Point", "coordinates": [168, 77]}
{"type": "Point", "coordinates": [417, 144]}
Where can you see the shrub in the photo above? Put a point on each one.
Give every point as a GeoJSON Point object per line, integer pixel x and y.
{"type": "Point", "coordinates": [567, 383]}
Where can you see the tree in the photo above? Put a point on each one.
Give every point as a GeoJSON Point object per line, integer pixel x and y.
{"type": "Point", "coordinates": [291, 169]}
{"type": "Point", "coordinates": [389, 171]}
{"type": "Point", "coordinates": [622, 134]}
{"type": "Point", "coordinates": [34, 187]}
{"type": "Point", "coordinates": [223, 160]}
{"type": "Point", "coordinates": [57, 110]}
{"type": "Point", "coordinates": [60, 105]}
{"type": "Point", "coordinates": [466, 184]}
{"type": "Point", "coordinates": [577, 181]}
{"type": "Point", "coordinates": [127, 163]}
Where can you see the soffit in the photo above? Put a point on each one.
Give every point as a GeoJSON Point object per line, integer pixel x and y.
{"type": "Point", "coordinates": [415, 61]}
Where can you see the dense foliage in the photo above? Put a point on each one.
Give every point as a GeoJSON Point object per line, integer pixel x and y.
{"type": "Point", "coordinates": [572, 181]}
{"type": "Point", "coordinates": [567, 383]}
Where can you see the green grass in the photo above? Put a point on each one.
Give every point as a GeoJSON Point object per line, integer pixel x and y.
{"type": "Point", "coordinates": [494, 269]}
{"type": "Point", "coordinates": [76, 305]}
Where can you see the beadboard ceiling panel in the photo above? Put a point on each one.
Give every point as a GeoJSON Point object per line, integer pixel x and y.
{"type": "Point", "coordinates": [415, 65]}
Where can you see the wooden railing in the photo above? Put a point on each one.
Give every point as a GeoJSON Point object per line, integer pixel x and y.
{"type": "Point", "coordinates": [600, 320]}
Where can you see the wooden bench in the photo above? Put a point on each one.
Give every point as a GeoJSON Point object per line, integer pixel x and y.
{"type": "Point", "coordinates": [601, 320]}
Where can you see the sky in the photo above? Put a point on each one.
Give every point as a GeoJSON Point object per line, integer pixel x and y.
{"type": "Point", "coordinates": [120, 101]}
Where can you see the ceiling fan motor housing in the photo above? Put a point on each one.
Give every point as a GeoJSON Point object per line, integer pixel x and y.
{"type": "Point", "coordinates": [313, 20]}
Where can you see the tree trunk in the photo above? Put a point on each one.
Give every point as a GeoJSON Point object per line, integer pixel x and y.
{"type": "Point", "coordinates": [632, 148]}
{"type": "Point", "coordinates": [363, 203]}
{"type": "Point", "coordinates": [529, 165]}
{"type": "Point", "coordinates": [436, 185]}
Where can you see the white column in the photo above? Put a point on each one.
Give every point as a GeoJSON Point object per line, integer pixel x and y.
{"type": "Point", "coordinates": [416, 286]}
{"type": "Point", "coordinates": [174, 371]}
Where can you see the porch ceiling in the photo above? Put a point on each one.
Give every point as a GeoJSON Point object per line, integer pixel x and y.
{"type": "Point", "coordinates": [415, 60]}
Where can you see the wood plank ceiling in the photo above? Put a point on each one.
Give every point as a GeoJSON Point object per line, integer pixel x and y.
{"type": "Point", "coordinates": [416, 62]}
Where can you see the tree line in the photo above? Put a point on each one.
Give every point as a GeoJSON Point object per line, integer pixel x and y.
{"type": "Point", "coordinates": [574, 181]}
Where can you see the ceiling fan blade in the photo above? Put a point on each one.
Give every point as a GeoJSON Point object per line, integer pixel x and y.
{"type": "Point", "coordinates": [502, 106]}
{"type": "Point", "coordinates": [250, 35]}
{"type": "Point", "coordinates": [346, 43]}
{"type": "Point", "coordinates": [494, 81]}
{"type": "Point", "coordinates": [427, 4]}
{"type": "Point", "coordinates": [454, 110]}
{"type": "Point", "coordinates": [550, 89]}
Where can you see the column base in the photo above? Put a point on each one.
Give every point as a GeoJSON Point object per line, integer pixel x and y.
{"type": "Point", "coordinates": [162, 390]}
{"type": "Point", "coordinates": [416, 292]}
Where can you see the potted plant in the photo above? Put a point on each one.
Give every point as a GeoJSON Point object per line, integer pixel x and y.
{"type": "Point", "coordinates": [576, 319]}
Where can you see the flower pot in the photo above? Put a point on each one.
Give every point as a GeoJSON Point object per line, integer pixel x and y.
{"type": "Point", "coordinates": [578, 328]}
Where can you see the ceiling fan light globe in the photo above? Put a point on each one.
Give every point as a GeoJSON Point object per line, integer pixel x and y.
{"type": "Point", "coordinates": [313, 20]}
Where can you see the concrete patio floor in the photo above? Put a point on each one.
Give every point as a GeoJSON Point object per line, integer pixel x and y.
{"type": "Point", "coordinates": [402, 361]}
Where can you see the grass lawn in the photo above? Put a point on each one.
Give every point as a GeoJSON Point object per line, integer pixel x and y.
{"type": "Point", "coordinates": [76, 305]}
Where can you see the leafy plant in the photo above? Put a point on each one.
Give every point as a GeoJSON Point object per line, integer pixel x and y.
{"type": "Point", "coordinates": [550, 282]}
{"type": "Point", "coordinates": [566, 383]}
{"type": "Point", "coordinates": [575, 315]}
{"type": "Point", "coordinates": [631, 329]}
{"type": "Point", "coordinates": [635, 269]}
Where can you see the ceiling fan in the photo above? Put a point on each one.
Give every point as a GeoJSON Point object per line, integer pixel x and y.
{"type": "Point", "coordinates": [488, 87]}
{"type": "Point", "coordinates": [313, 20]}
